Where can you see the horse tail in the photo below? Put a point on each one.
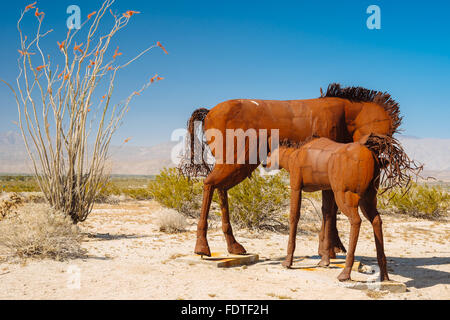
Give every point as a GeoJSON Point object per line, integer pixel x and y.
{"type": "Point", "coordinates": [192, 164]}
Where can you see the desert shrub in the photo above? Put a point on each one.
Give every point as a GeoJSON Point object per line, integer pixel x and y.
{"type": "Point", "coordinates": [422, 200]}
{"type": "Point", "coordinates": [170, 221]}
{"type": "Point", "coordinates": [137, 193]}
{"type": "Point", "coordinates": [8, 203]}
{"type": "Point", "coordinates": [108, 191]}
{"type": "Point", "coordinates": [18, 184]}
{"type": "Point", "coordinates": [257, 202]}
{"type": "Point", "coordinates": [173, 190]}
{"type": "Point", "coordinates": [38, 231]}
{"type": "Point", "coordinates": [33, 197]}
{"type": "Point", "coordinates": [114, 190]}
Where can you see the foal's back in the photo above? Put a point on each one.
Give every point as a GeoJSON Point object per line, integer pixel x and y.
{"type": "Point", "coordinates": [324, 164]}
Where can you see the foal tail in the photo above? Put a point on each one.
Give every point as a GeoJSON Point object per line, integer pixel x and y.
{"type": "Point", "coordinates": [193, 163]}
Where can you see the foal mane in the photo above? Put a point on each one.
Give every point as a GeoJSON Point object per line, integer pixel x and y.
{"type": "Point", "coordinates": [360, 94]}
{"type": "Point", "coordinates": [288, 143]}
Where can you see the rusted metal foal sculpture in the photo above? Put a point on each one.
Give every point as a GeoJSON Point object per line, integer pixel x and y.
{"type": "Point", "coordinates": [342, 115]}
{"type": "Point", "coordinates": [351, 171]}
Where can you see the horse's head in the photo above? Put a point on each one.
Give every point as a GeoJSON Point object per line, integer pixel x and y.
{"type": "Point", "coordinates": [381, 116]}
{"type": "Point", "coordinates": [367, 111]}
{"type": "Point", "coordinates": [371, 119]}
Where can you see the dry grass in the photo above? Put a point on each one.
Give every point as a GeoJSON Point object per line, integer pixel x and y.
{"type": "Point", "coordinates": [278, 296]}
{"type": "Point", "coordinates": [170, 221]}
{"type": "Point", "coordinates": [376, 294]}
{"type": "Point", "coordinates": [37, 231]}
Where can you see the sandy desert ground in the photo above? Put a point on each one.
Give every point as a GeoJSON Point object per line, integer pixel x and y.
{"type": "Point", "coordinates": [129, 258]}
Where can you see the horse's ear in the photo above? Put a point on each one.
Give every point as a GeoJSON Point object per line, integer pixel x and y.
{"type": "Point", "coordinates": [269, 145]}
{"type": "Point", "coordinates": [364, 139]}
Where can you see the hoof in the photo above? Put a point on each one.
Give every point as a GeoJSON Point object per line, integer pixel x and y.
{"type": "Point", "coordinates": [287, 264]}
{"type": "Point", "coordinates": [384, 278]}
{"type": "Point", "coordinates": [344, 276]}
{"type": "Point", "coordinates": [324, 263]}
{"type": "Point", "coordinates": [202, 249]}
{"type": "Point", "coordinates": [236, 248]}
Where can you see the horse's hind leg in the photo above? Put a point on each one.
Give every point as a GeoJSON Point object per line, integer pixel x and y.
{"type": "Point", "coordinates": [226, 177]}
{"type": "Point", "coordinates": [369, 208]}
{"type": "Point", "coordinates": [202, 247]}
{"type": "Point", "coordinates": [223, 177]}
{"type": "Point", "coordinates": [329, 212]}
{"type": "Point", "coordinates": [348, 203]}
{"type": "Point", "coordinates": [233, 246]}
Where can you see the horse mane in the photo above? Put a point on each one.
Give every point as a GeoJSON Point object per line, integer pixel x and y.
{"type": "Point", "coordinates": [360, 94]}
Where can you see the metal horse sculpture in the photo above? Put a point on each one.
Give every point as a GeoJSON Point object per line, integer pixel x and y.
{"type": "Point", "coordinates": [352, 172]}
{"type": "Point", "coordinates": [342, 115]}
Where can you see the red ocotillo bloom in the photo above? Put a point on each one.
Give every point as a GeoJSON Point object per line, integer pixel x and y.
{"type": "Point", "coordinates": [91, 14]}
{"type": "Point", "coordinates": [156, 78]}
{"type": "Point", "coordinates": [41, 67]}
{"type": "Point", "coordinates": [78, 48]}
{"type": "Point", "coordinates": [162, 47]}
{"type": "Point", "coordinates": [37, 13]}
{"type": "Point", "coordinates": [25, 53]}
{"type": "Point", "coordinates": [129, 13]}
{"type": "Point", "coordinates": [30, 6]}
{"type": "Point", "coordinates": [117, 53]}
{"type": "Point", "coordinates": [61, 45]}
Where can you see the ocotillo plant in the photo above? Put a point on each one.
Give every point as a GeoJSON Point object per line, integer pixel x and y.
{"type": "Point", "coordinates": [67, 139]}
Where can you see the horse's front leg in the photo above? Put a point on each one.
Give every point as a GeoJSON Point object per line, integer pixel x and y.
{"type": "Point", "coordinates": [294, 216]}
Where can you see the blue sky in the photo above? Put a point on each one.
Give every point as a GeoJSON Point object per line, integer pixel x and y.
{"type": "Point", "coordinates": [221, 50]}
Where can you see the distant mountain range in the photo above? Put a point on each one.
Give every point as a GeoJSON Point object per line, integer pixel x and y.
{"type": "Point", "coordinates": [129, 160]}
{"type": "Point", "coordinates": [124, 160]}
